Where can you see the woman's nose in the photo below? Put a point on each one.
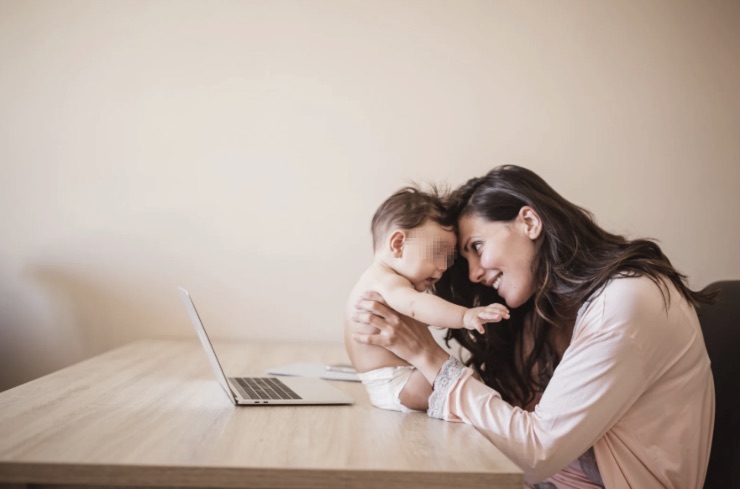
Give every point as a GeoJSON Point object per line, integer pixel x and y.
{"type": "Point", "coordinates": [475, 272]}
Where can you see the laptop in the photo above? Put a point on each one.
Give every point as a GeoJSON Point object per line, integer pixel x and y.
{"type": "Point", "coordinates": [261, 391]}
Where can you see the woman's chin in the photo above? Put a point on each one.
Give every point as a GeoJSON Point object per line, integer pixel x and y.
{"type": "Point", "coordinates": [512, 302]}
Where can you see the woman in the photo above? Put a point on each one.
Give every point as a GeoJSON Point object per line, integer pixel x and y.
{"type": "Point", "coordinates": [600, 377]}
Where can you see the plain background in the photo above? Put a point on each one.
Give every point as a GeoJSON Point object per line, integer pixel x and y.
{"type": "Point", "coordinates": [240, 148]}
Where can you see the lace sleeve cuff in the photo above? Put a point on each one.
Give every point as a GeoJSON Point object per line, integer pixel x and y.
{"type": "Point", "coordinates": [446, 378]}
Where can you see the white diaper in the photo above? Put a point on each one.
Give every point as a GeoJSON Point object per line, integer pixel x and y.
{"type": "Point", "coordinates": [384, 385]}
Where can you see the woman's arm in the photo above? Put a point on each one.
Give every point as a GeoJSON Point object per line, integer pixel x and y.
{"type": "Point", "coordinates": [594, 385]}
{"type": "Point", "coordinates": [599, 377]}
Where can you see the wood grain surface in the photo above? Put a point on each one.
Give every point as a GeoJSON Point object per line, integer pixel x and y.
{"type": "Point", "coordinates": [151, 414]}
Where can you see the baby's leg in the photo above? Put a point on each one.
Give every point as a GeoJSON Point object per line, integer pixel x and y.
{"type": "Point", "coordinates": [415, 394]}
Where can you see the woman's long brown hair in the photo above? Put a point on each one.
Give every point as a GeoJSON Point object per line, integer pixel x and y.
{"type": "Point", "coordinates": [574, 258]}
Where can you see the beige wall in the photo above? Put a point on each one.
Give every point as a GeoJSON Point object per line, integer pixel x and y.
{"type": "Point", "coordinates": [240, 148]}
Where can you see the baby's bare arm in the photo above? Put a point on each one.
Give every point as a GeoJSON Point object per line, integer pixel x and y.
{"type": "Point", "coordinates": [401, 296]}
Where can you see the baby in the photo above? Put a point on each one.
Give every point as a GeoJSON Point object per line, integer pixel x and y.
{"type": "Point", "coordinates": [412, 247]}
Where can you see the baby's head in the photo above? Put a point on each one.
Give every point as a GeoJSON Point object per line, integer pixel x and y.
{"type": "Point", "coordinates": [412, 234]}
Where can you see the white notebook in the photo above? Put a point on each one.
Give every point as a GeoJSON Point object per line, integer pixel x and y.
{"type": "Point", "coordinates": [316, 370]}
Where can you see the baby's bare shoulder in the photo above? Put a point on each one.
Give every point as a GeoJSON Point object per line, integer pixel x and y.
{"type": "Point", "coordinates": [380, 278]}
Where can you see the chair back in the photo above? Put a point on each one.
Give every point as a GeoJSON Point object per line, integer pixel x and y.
{"type": "Point", "coordinates": [720, 325]}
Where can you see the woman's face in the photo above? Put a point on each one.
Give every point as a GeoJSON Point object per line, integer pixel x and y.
{"type": "Point", "coordinates": [501, 254]}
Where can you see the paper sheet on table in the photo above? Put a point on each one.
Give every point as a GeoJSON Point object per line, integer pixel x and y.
{"type": "Point", "coordinates": [317, 370]}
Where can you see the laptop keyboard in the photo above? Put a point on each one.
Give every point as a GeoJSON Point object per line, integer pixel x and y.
{"type": "Point", "coordinates": [264, 388]}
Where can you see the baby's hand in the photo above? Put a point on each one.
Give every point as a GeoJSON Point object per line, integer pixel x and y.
{"type": "Point", "coordinates": [475, 317]}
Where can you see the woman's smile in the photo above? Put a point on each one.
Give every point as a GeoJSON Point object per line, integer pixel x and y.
{"type": "Point", "coordinates": [496, 282]}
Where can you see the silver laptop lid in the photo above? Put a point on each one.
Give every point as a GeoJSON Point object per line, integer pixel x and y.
{"type": "Point", "coordinates": [212, 359]}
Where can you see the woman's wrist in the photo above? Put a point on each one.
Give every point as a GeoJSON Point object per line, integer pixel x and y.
{"type": "Point", "coordinates": [430, 361]}
{"type": "Point", "coordinates": [446, 379]}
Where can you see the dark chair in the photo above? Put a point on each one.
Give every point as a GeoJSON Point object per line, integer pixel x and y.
{"type": "Point", "coordinates": [720, 324]}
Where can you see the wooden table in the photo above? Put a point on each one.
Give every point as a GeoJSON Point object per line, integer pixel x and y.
{"type": "Point", "coordinates": [150, 414]}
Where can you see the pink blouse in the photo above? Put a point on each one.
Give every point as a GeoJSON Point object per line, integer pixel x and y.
{"type": "Point", "coordinates": [634, 389]}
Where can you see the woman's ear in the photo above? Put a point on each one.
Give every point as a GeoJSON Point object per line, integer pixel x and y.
{"type": "Point", "coordinates": [395, 243]}
{"type": "Point", "coordinates": [531, 221]}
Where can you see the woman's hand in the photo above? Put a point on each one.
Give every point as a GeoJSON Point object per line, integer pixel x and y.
{"type": "Point", "coordinates": [408, 340]}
